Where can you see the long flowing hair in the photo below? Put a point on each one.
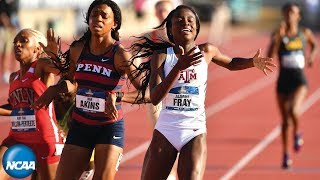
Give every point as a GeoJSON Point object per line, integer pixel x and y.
{"type": "Point", "coordinates": [143, 47]}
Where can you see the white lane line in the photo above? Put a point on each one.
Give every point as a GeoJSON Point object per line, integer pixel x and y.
{"type": "Point", "coordinates": [267, 140]}
{"type": "Point", "coordinates": [215, 108]}
{"type": "Point", "coordinates": [240, 94]}
{"type": "Point", "coordinates": [135, 152]}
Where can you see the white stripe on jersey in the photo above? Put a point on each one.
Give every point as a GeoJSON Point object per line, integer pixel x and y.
{"type": "Point", "coordinates": [54, 126]}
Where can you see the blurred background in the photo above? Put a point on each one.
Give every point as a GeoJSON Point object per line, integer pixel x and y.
{"type": "Point", "coordinates": [67, 16]}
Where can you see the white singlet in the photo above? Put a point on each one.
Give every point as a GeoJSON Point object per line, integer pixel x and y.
{"type": "Point", "coordinates": [182, 116]}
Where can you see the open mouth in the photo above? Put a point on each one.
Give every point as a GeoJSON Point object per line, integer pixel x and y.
{"type": "Point", "coordinates": [186, 30]}
{"type": "Point", "coordinates": [17, 51]}
{"type": "Point", "coordinates": [97, 26]}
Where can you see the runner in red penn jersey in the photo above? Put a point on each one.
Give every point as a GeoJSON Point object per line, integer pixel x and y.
{"type": "Point", "coordinates": [98, 68]}
{"type": "Point", "coordinates": [96, 77]}
{"type": "Point", "coordinates": [34, 128]}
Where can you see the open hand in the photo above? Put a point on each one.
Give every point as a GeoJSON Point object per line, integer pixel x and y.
{"type": "Point", "coordinates": [53, 45]}
{"type": "Point", "coordinates": [263, 63]}
{"type": "Point", "coordinates": [188, 59]}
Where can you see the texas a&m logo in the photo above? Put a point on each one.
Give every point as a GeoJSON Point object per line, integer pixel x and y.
{"type": "Point", "coordinates": [187, 75]}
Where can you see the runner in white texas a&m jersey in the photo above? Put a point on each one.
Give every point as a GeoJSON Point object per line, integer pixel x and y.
{"type": "Point", "coordinates": [177, 73]}
{"type": "Point", "coordinates": [183, 107]}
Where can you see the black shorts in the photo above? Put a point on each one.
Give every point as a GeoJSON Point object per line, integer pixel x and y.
{"type": "Point", "coordinates": [290, 79]}
{"type": "Point", "coordinates": [88, 136]}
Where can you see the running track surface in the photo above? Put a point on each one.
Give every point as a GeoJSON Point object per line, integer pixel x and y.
{"type": "Point", "coordinates": [242, 120]}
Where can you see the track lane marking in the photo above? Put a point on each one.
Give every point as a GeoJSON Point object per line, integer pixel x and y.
{"type": "Point", "coordinates": [230, 100]}
{"type": "Point", "coordinates": [313, 98]}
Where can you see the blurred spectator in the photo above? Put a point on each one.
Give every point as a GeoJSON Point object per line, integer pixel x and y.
{"type": "Point", "coordinates": [9, 24]}
{"type": "Point", "coordinates": [162, 9]}
{"type": "Point", "coordinates": [220, 23]}
{"type": "Point", "coordinates": [138, 7]}
{"type": "Point", "coordinates": [80, 23]}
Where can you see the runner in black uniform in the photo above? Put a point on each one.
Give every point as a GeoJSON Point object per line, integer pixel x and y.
{"type": "Point", "coordinates": [288, 42]}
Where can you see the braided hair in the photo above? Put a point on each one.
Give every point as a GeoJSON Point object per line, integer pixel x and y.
{"type": "Point", "coordinates": [144, 47]}
{"type": "Point", "coordinates": [39, 37]}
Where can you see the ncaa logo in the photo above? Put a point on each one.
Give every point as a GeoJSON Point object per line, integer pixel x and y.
{"type": "Point", "coordinates": [19, 161]}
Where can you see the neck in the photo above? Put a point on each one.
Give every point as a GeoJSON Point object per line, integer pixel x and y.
{"type": "Point", "coordinates": [99, 45]}
{"type": "Point", "coordinates": [24, 67]}
{"type": "Point", "coordinates": [186, 47]}
{"type": "Point", "coordinates": [292, 27]}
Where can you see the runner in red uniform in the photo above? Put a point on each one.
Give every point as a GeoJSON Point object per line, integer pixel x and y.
{"type": "Point", "coordinates": [35, 128]}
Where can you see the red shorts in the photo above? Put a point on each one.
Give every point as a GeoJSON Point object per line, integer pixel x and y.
{"type": "Point", "coordinates": [45, 152]}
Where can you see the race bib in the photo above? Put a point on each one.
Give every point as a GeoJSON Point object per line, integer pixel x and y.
{"type": "Point", "coordinates": [23, 119]}
{"type": "Point", "coordinates": [90, 101]}
{"type": "Point", "coordinates": [293, 60]}
{"type": "Point", "coordinates": [185, 98]}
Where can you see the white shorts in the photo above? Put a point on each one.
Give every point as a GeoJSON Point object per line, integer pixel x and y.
{"type": "Point", "coordinates": [179, 137]}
